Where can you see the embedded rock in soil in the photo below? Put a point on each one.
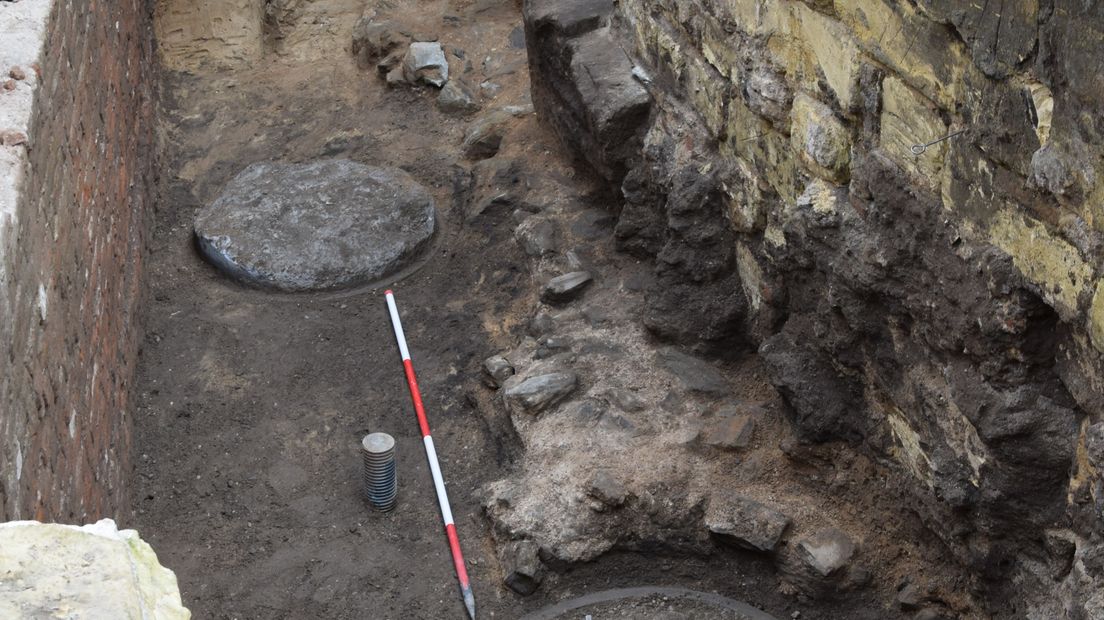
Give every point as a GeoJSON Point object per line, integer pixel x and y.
{"type": "Point", "coordinates": [522, 565]}
{"type": "Point", "coordinates": [315, 226]}
{"type": "Point", "coordinates": [745, 522]}
{"type": "Point", "coordinates": [695, 374]}
{"type": "Point", "coordinates": [564, 288]}
{"type": "Point", "coordinates": [609, 491]}
{"type": "Point", "coordinates": [457, 97]}
{"type": "Point", "coordinates": [425, 62]}
{"type": "Point", "coordinates": [374, 40]}
{"type": "Point", "coordinates": [538, 393]}
{"type": "Point", "coordinates": [497, 187]}
{"type": "Point", "coordinates": [827, 551]}
{"type": "Point", "coordinates": [484, 136]}
{"type": "Point", "coordinates": [536, 236]}
{"type": "Point", "coordinates": [729, 432]}
{"type": "Point", "coordinates": [496, 370]}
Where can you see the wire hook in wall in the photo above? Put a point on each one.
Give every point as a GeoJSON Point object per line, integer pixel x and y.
{"type": "Point", "coordinates": [918, 149]}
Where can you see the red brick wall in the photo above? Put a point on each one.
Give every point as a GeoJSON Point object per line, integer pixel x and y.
{"type": "Point", "coordinates": [64, 379]}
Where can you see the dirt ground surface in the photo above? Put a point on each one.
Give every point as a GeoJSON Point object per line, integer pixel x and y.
{"type": "Point", "coordinates": [251, 404]}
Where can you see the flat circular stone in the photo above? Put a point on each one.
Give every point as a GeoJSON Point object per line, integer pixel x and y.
{"type": "Point", "coordinates": [316, 226]}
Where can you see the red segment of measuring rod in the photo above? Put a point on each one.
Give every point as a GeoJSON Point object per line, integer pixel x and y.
{"type": "Point", "coordinates": [416, 396]}
{"type": "Point", "coordinates": [457, 555]}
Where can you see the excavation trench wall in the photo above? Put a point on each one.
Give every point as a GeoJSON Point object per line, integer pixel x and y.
{"type": "Point", "coordinates": [939, 306]}
{"type": "Point", "coordinates": [73, 206]}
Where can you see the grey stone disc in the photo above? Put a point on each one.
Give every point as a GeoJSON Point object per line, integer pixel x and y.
{"type": "Point", "coordinates": [316, 226]}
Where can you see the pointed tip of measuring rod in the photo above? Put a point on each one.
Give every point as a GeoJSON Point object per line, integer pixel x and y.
{"type": "Point", "coordinates": [469, 602]}
{"type": "Point", "coordinates": [387, 292]}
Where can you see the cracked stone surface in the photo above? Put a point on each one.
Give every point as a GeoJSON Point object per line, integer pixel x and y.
{"type": "Point", "coordinates": [316, 226]}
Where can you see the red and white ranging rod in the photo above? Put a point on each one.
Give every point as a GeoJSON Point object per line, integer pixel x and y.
{"type": "Point", "coordinates": [431, 455]}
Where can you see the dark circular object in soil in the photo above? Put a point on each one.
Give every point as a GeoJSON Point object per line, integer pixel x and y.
{"type": "Point", "coordinates": [316, 226]}
{"type": "Point", "coordinates": [650, 603]}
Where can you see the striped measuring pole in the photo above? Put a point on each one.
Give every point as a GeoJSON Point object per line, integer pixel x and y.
{"type": "Point", "coordinates": [431, 455]}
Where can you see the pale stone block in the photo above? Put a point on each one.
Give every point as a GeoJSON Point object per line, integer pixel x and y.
{"type": "Point", "coordinates": [91, 571]}
{"type": "Point", "coordinates": [1051, 263]}
{"type": "Point", "coordinates": [821, 141]}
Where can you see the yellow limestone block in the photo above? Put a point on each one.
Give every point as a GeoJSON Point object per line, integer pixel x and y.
{"type": "Point", "coordinates": [1051, 263]}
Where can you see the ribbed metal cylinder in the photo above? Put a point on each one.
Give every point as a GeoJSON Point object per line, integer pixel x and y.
{"type": "Point", "coordinates": [380, 476]}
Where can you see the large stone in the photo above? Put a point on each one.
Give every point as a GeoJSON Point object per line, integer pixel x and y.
{"type": "Point", "coordinates": [745, 522]}
{"type": "Point", "coordinates": [314, 226]}
{"type": "Point", "coordinates": [94, 571]}
{"type": "Point", "coordinates": [566, 18]}
{"type": "Point", "coordinates": [425, 62]}
{"type": "Point", "coordinates": [538, 393]}
{"type": "Point", "coordinates": [583, 83]}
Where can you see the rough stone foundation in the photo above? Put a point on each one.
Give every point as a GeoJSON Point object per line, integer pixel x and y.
{"type": "Point", "coordinates": [935, 301]}
{"type": "Point", "coordinates": [72, 223]}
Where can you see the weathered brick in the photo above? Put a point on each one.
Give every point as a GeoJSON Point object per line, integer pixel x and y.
{"type": "Point", "coordinates": [72, 261]}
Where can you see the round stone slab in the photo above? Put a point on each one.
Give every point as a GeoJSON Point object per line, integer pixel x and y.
{"type": "Point", "coordinates": [316, 226]}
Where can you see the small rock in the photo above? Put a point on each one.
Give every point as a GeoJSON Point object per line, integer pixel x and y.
{"type": "Point", "coordinates": [596, 316]}
{"type": "Point", "coordinates": [12, 138]}
{"type": "Point", "coordinates": [1094, 444]}
{"type": "Point", "coordinates": [609, 491]}
{"type": "Point", "coordinates": [17, 73]}
{"type": "Point", "coordinates": [9, 85]}
{"type": "Point", "coordinates": [549, 345]}
{"type": "Point", "coordinates": [500, 63]}
{"type": "Point", "coordinates": [931, 613]}
{"type": "Point", "coordinates": [768, 94]}
{"type": "Point", "coordinates": [745, 522]}
{"type": "Point", "coordinates": [496, 370]}
{"type": "Point", "coordinates": [425, 62]}
{"type": "Point", "coordinates": [729, 433]}
{"type": "Point", "coordinates": [396, 76]}
{"type": "Point", "coordinates": [695, 374]}
{"type": "Point", "coordinates": [536, 236]}
{"type": "Point", "coordinates": [909, 597]}
{"type": "Point", "coordinates": [457, 98]}
{"type": "Point", "coordinates": [374, 40]}
{"type": "Point", "coordinates": [540, 324]}
{"type": "Point", "coordinates": [489, 89]}
{"type": "Point", "coordinates": [827, 552]}
{"type": "Point", "coordinates": [484, 137]}
{"type": "Point", "coordinates": [538, 393]}
{"type": "Point", "coordinates": [497, 186]}
{"type": "Point", "coordinates": [517, 38]}
{"type": "Point", "coordinates": [522, 566]}
{"type": "Point", "coordinates": [519, 110]}
{"type": "Point", "coordinates": [820, 139]}
{"type": "Point", "coordinates": [564, 288]}
{"type": "Point", "coordinates": [626, 400]}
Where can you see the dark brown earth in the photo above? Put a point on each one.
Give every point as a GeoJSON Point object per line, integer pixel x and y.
{"type": "Point", "coordinates": [251, 404]}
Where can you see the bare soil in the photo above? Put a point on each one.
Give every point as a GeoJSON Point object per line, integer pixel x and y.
{"type": "Point", "coordinates": [251, 404]}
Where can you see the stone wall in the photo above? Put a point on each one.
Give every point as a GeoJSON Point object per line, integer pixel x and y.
{"type": "Point", "coordinates": [935, 301]}
{"type": "Point", "coordinates": [71, 246]}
